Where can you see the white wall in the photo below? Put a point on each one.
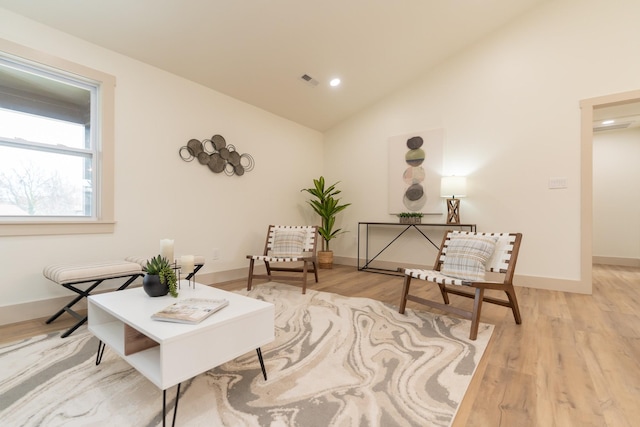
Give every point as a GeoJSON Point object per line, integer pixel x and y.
{"type": "Point", "coordinates": [616, 195]}
{"type": "Point", "coordinates": [510, 110]}
{"type": "Point", "coordinates": [157, 195]}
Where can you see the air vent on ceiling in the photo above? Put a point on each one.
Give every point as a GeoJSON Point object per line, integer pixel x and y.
{"type": "Point", "coordinates": [309, 80]}
{"type": "Point", "coordinates": [612, 127]}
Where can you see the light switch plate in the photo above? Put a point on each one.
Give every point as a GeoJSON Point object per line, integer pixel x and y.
{"type": "Point", "coordinates": [558, 182]}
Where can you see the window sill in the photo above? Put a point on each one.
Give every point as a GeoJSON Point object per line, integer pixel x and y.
{"type": "Point", "coordinates": [52, 228]}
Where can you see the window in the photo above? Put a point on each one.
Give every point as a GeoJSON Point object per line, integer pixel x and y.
{"type": "Point", "coordinates": [56, 148]}
{"type": "Point", "coordinates": [47, 147]}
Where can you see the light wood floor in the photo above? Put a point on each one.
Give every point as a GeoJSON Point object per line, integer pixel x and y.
{"type": "Point", "coordinates": [574, 361]}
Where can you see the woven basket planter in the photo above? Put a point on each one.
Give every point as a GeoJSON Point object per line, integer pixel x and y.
{"type": "Point", "coordinates": [325, 259]}
{"type": "Point", "coordinates": [410, 220]}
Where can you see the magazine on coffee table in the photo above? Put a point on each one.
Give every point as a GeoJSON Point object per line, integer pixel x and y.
{"type": "Point", "coordinates": [191, 310]}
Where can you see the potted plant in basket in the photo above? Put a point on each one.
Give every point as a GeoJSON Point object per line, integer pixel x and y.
{"type": "Point", "coordinates": [410, 217]}
{"type": "Point", "coordinates": [160, 278]}
{"type": "Point", "coordinates": [327, 206]}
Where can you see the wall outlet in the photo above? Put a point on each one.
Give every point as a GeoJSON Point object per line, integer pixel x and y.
{"type": "Point", "coordinates": [215, 253]}
{"type": "Point", "coordinates": [557, 182]}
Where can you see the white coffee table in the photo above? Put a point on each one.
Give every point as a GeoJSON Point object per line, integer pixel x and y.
{"type": "Point", "coordinates": [169, 353]}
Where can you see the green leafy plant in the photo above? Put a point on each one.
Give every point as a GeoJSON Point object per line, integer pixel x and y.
{"type": "Point", "coordinates": [410, 215]}
{"type": "Point", "coordinates": [327, 206]}
{"type": "Point", "coordinates": [161, 267]}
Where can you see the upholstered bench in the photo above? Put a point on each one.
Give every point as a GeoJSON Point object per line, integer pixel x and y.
{"type": "Point", "coordinates": [92, 273]}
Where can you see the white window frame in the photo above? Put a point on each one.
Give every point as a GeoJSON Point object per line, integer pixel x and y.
{"type": "Point", "coordinates": [102, 221]}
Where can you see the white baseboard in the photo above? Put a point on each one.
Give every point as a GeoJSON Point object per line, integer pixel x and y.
{"type": "Point", "coordinates": [625, 262]}
{"type": "Point", "coordinates": [34, 310]}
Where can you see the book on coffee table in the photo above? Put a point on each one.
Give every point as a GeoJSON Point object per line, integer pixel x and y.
{"type": "Point", "coordinates": [191, 310]}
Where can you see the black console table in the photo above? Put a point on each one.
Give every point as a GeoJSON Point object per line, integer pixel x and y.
{"type": "Point", "coordinates": [402, 229]}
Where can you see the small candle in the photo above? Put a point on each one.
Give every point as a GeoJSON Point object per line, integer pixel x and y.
{"type": "Point", "coordinates": [166, 249]}
{"type": "Point", "coordinates": [187, 264]}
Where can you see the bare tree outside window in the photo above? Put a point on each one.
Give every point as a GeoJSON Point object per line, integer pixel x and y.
{"type": "Point", "coordinates": [37, 192]}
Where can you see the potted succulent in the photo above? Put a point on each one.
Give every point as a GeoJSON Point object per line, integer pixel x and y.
{"type": "Point", "coordinates": [410, 217]}
{"type": "Point", "coordinates": [160, 278]}
{"type": "Point", "coordinates": [327, 206]}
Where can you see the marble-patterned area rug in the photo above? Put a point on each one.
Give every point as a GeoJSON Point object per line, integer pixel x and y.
{"type": "Point", "coordinates": [336, 361]}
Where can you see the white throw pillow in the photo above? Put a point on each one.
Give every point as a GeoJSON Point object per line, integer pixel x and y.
{"type": "Point", "coordinates": [287, 243]}
{"type": "Point", "coordinates": [467, 256]}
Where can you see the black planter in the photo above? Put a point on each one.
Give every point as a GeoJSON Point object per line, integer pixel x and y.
{"type": "Point", "coordinates": [153, 287]}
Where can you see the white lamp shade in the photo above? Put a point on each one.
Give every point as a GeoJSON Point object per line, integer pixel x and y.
{"type": "Point", "coordinates": [453, 186]}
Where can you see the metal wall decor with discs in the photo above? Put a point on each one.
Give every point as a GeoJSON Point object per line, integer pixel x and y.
{"type": "Point", "coordinates": [217, 155]}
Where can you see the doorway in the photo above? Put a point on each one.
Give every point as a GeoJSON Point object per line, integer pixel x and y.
{"type": "Point", "coordinates": [590, 109]}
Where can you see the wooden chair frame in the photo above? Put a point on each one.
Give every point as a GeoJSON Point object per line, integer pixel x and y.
{"type": "Point", "coordinates": [503, 261]}
{"type": "Point", "coordinates": [308, 258]}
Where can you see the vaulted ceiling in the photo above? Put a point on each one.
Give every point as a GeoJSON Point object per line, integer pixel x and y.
{"type": "Point", "coordinates": [258, 50]}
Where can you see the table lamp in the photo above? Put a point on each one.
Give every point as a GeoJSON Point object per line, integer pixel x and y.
{"type": "Point", "coordinates": [452, 187]}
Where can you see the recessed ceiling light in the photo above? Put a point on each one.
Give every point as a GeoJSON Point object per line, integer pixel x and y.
{"type": "Point", "coordinates": [334, 82]}
{"type": "Point", "coordinates": [608, 122]}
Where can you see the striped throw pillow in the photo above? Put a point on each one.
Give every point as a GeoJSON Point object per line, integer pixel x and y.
{"type": "Point", "coordinates": [466, 257]}
{"type": "Point", "coordinates": [287, 243]}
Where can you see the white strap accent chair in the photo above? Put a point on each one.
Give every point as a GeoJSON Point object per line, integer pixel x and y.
{"type": "Point", "coordinates": [463, 259]}
{"type": "Point", "coordinates": [286, 244]}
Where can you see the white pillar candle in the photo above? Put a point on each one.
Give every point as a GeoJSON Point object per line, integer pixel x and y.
{"type": "Point", "coordinates": [187, 264]}
{"type": "Point", "coordinates": [166, 249]}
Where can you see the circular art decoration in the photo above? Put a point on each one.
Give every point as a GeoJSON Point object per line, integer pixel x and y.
{"type": "Point", "coordinates": [414, 142]}
{"type": "Point", "coordinates": [203, 158]}
{"type": "Point", "coordinates": [234, 157]}
{"type": "Point", "coordinates": [218, 142]}
{"type": "Point", "coordinates": [415, 196]}
{"type": "Point", "coordinates": [194, 146]}
{"type": "Point", "coordinates": [247, 162]}
{"type": "Point", "coordinates": [414, 175]}
{"type": "Point", "coordinates": [414, 192]}
{"type": "Point", "coordinates": [216, 163]}
{"type": "Point", "coordinates": [415, 205]}
{"type": "Point", "coordinates": [414, 157]}
{"type": "Point", "coordinates": [217, 156]}
{"type": "Point", "coordinates": [186, 154]}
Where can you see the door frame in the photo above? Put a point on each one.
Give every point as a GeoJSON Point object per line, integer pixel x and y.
{"type": "Point", "coordinates": [586, 176]}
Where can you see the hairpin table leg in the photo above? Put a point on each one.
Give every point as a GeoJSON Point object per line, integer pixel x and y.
{"type": "Point", "coordinates": [164, 406]}
{"type": "Point", "coordinates": [100, 352]}
{"type": "Point", "coordinates": [264, 371]}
